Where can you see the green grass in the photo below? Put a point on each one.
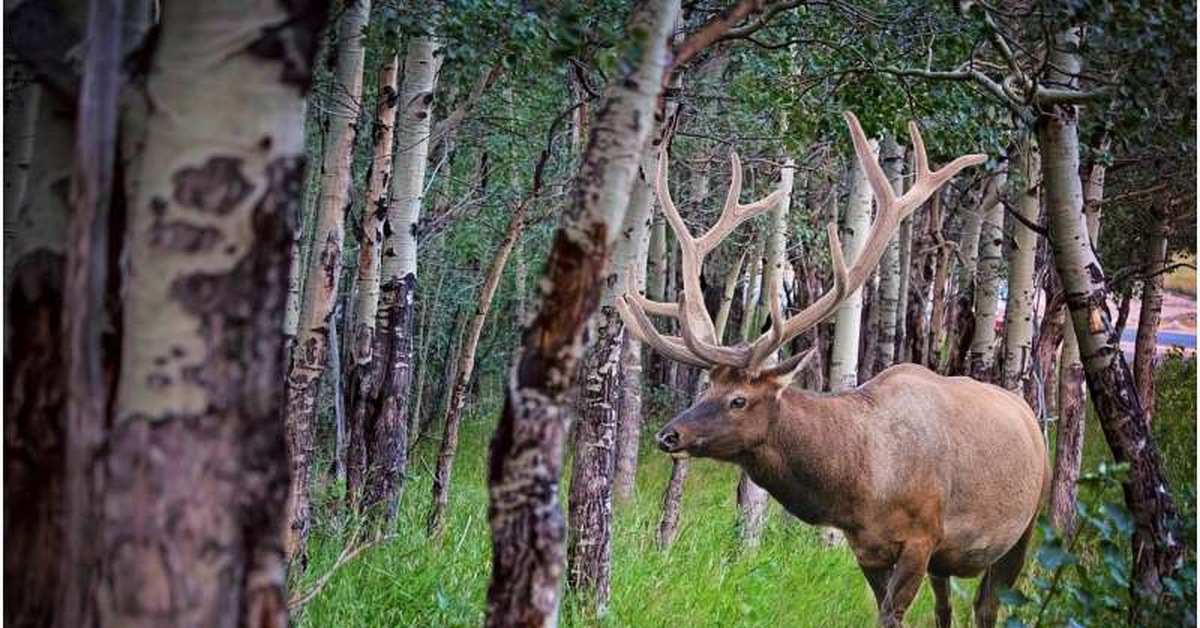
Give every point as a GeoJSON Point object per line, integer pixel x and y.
{"type": "Point", "coordinates": [705, 579]}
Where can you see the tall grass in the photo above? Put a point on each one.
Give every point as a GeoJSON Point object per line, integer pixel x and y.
{"type": "Point", "coordinates": [705, 579]}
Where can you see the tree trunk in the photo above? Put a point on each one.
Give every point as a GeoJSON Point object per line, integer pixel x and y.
{"type": "Point", "coordinates": [668, 526]}
{"type": "Point", "coordinates": [753, 499]}
{"type": "Point", "coordinates": [843, 369]}
{"type": "Point", "coordinates": [959, 321]}
{"type": "Point", "coordinates": [525, 460]}
{"type": "Point", "coordinates": [192, 479]}
{"type": "Point", "coordinates": [386, 423]}
{"type": "Point", "coordinates": [989, 281]}
{"type": "Point", "coordinates": [903, 296]}
{"type": "Point", "coordinates": [466, 367]}
{"type": "Point", "coordinates": [1068, 444]}
{"type": "Point", "coordinates": [656, 289]}
{"type": "Point", "coordinates": [935, 270]}
{"type": "Point", "coordinates": [22, 102]}
{"type": "Point", "coordinates": [1114, 394]}
{"type": "Point", "coordinates": [1146, 347]}
{"type": "Point", "coordinates": [310, 351]}
{"type": "Point", "coordinates": [1017, 356]}
{"type": "Point", "coordinates": [34, 363]}
{"type": "Point", "coordinates": [364, 371]}
{"type": "Point", "coordinates": [869, 328]}
{"type": "Point", "coordinates": [629, 425]}
{"type": "Point", "coordinates": [891, 267]}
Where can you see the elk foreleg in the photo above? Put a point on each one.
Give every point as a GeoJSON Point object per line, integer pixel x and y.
{"type": "Point", "coordinates": [902, 587]}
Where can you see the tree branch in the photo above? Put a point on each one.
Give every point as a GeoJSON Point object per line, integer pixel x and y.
{"type": "Point", "coordinates": [712, 31]}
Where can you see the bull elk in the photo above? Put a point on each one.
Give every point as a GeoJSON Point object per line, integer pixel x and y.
{"type": "Point", "coordinates": [923, 474]}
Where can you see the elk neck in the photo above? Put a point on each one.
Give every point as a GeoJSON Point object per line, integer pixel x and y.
{"type": "Point", "coordinates": [816, 460]}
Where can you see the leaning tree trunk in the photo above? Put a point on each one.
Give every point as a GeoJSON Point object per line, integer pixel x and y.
{"type": "Point", "coordinates": [1072, 400]}
{"type": "Point", "coordinates": [843, 368]}
{"type": "Point", "coordinates": [191, 480]}
{"type": "Point", "coordinates": [22, 103]}
{"type": "Point", "coordinates": [310, 351]}
{"type": "Point", "coordinates": [525, 459]}
{"type": "Point", "coordinates": [989, 281]}
{"type": "Point", "coordinates": [891, 267]}
{"type": "Point", "coordinates": [1146, 345]}
{"type": "Point", "coordinates": [466, 366]}
{"type": "Point", "coordinates": [1016, 358]}
{"type": "Point", "coordinates": [386, 421]}
{"type": "Point", "coordinates": [1155, 549]}
{"type": "Point", "coordinates": [364, 371]}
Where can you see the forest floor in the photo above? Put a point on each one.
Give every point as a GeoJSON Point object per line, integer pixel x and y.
{"type": "Point", "coordinates": [705, 579]}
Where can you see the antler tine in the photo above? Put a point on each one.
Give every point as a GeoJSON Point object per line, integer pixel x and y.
{"type": "Point", "coordinates": [734, 213]}
{"type": "Point", "coordinates": [668, 205]}
{"type": "Point", "coordinates": [640, 326]}
{"type": "Point", "coordinates": [652, 307]}
{"type": "Point", "coordinates": [867, 158]}
{"type": "Point", "coordinates": [890, 211]}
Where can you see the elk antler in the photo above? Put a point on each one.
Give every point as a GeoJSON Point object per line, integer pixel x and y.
{"type": "Point", "coordinates": [698, 345]}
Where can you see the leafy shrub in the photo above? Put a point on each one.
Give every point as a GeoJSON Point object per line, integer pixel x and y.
{"type": "Point", "coordinates": [1083, 579]}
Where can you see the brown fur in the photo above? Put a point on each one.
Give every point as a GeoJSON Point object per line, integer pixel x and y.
{"type": "Point", "coordinates": [923, 473]}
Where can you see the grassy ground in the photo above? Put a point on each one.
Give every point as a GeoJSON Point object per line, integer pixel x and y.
{"type": "Point", "coordinates": [704, 580]}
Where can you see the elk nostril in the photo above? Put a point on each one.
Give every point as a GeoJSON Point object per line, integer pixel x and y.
{"type": "Point", "coordinates": [668, 440]}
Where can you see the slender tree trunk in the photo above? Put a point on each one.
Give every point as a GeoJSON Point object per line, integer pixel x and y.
{"type": "Point", "coordinates": [466, 367]}
{"type": "Point", "coordinates": [525, 460]}
{"type": "Point", "coordinates": [843, 370]}
{"type": "Point", "coordinates": [960, 320]}
{"type": "Point", "coordinates": [1146, 346]}
{"type": "Point", "coordinates": [310, 352]}
{"type": "Point", "coordinates": [656, 289]}
{"type": "Point", "coordinates": [364, 371]}
{"type": "Point", "coordinates": [891, 268]}
{"type": "Point", "coordinates": [933, 337]}
{"type": "Point", "coordinates": [1017, 356]}
{"type": "Point", "coordinates": [753, 499]}
{"type": "Point", "coordinates": [989, 281]}
{"type": "Point", "coordinates": [903, 289]}
{"type": "Point", "coordinates": [1114, 394]}
{"type": "Point", "coordinates": [387, 420]}
{"type": "Point", "coordinates": [629, 423]}
{"type": "Point", "coordinates": [1068, 445]}
{"type": "Point", "coordinates": [192, 478]}
{"type": "Point", "coordinates": [869, 329]}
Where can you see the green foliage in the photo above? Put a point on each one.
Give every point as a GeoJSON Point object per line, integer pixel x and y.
{"type": "Point", "coordinates": [1083, 579]}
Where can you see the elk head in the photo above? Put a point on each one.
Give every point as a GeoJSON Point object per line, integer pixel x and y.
{"type": "Point", "coordinates": [733, 416]}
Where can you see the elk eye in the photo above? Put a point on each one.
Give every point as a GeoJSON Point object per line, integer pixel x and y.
{"type": "Point", "coordinates": [737, 402]}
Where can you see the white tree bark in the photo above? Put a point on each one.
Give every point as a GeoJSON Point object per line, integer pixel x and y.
{"type": "Point", "coordinates": [890, 267]}
{"type": "Point", "coordinates": [843, 367]}
{"type": "Point", "coordinates": [1016, 359]}
{"type": "Point", "coordinates": [989, 281]}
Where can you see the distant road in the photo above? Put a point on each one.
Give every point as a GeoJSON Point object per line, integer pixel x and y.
{"type": "Point", "coordinates": [1165, 338]}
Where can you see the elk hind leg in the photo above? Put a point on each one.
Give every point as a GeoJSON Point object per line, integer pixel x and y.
{"type": "Point", "coordinates": [1002, 572]}
{"type": "Point", "coordinates": [941, 596]}
{"type": "Point", "coordinates": [905, 582]}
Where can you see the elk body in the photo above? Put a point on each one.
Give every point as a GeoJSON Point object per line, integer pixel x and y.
{"type": "Point", "coordinates": [924, 474]}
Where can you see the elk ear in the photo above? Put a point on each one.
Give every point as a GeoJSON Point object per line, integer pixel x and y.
{"type": "Point", "coordinates": [786, 371]}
